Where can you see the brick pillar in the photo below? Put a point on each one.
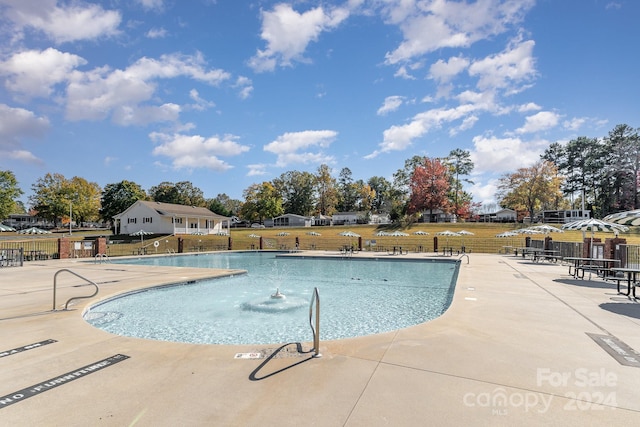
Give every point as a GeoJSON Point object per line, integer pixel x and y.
{"type": "Point", "coordinates": [100, 246]}
{"type": "Point", "coordinates": [64, 248]}
{"type": "Point", "coordinates": [610, 246]}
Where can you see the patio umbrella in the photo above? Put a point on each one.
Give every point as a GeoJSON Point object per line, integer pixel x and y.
{"type": "Point", "coordinates": [282, 234]}
{"type": "Point", "coordinates": [222, 233]}
{"type": "Point", "coordinates": [198, 233]}
{"type": "Point", "coordinates": [6, 228]}
{"type": "Point", "coordinates": [141, 233]}
{"type": "Point", "coordinates": [447, 233]}
{"type": "Point", "coordinates": [545, 228]}
{"type": "Point", "coordinates": [382, 233]}
{"type": "Point", "coordinates": [464, 233]}
{"type": "Point", "coordinates": [594, 225]}
{"type": "Point", "coordinates": [420, 233]}
{"type": "Point", "coordinates": [507, 234]}
{"type": "Point", "coordinates": [34, 230]}
{"type": "Point", "coordinates": [624, 218]}
{"type": "Point", "coordinates": [254, 236]}
{"type": "Point", "coordinates": [349, 234]}
{"type": "Point", "coordinates": [529, 231]}
{"type": "Point", "coordinates": [313, 233]}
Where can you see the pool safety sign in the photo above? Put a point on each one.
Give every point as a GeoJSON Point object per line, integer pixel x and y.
{"type": "Point", "coordinates": [25, 348]}
{"type": "Point", "coordinates": [25, 393]}
{"type": "Point", "coordinates": [248, 356]}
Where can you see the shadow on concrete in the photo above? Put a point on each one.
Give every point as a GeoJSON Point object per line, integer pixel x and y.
{"type": "Point", "coordinates": [254, 375]}
{"type": "Point", "coordinates": [629, 309]}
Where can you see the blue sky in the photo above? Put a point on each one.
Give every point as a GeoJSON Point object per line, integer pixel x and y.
{"type": "Point", "coordinates": [227, 93]}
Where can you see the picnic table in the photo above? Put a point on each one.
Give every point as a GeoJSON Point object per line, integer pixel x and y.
{"type": "Point", "coordinates": [602, 266]}
{"type": "Point", "coordinates": [545, 254]}
{"type": "Point", "coordinates": [631, 274]}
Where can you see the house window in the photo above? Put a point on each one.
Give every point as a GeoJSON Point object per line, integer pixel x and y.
{"type": "Point", "coordinates": [132, 220]}
{"type": "Point", "coordinates": [177, 220]}
{"type": "Point", "coordinates": [193, 225]}
{"type": "Point", "coordinates": [147, 220]}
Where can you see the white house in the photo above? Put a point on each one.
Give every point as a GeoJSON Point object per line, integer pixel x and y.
{"type": "Point", "coordinates": [288, 220]}
{"type": "Point", "coordinates": [348, 218]}
{"type": "Point", "coordinates": [167, 218]}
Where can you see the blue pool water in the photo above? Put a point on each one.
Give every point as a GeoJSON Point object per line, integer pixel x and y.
{"type": "Point", "coordinates": [358, 297]}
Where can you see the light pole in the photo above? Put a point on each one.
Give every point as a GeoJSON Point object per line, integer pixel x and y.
{"type": "Point", "coordinates": [70, 216]}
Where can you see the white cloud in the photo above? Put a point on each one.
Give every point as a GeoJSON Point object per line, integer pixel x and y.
{"type": "Point", "coordinates": [444, 71]}
{"type": "Point", "coordinates": [540, 121]}
{"type": "Point", "coordinates": [152, 4]}
{"type": "Point", "coordinates": [575, 123]}
{"type": "Point", "coordinates": [257, 169]}
{"type": "Point", "coordinates": [530, 106]}
{"type": "Point", "coordinates": [288, 33]}
{"type": "Point", "coordinates": [391, 103]}
{"type": "Point", "coordinates": [195, 151]}
{"type": "Point", "coordinates": [200, 104]}
{"type": "Point", "coordinates": [507, 69]}
{"type": "Point", "coordinates": [288, 147]}
{"type": "Point", "coordinates": [65, 22]}
{"type": "Point", "coordinates": [34, 73]}
{"type": "Point", "coordinates": [429, 26]}
{"type": "Point", "coordinates": [156, 33]}
{"type": "Point", "coordinates": [17, 124]}
{"type": "Point", "coordinates": [101, 92]}
{"type": "Point", "coordinates": [501, 155]}
{"type": "Point", "coordinates": [400, 137]}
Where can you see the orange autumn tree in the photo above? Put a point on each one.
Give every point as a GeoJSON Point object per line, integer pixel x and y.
{"type": "Point", "coordinates": [429, 186]}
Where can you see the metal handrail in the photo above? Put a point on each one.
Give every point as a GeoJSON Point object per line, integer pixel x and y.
{"type": "Point", "coordinates": [462, 256]}
{"type": "Point", "coordinates": [55, 285]}
{"type": "Point", "coordinates": [315, 298]}
{"type": "Point", "coordinates": [100, 257]}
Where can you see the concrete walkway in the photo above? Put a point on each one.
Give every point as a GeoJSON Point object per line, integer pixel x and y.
{"type": "Point", "coordinates": [522, 344]}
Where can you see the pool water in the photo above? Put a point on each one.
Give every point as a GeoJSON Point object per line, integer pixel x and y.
{"type": "Point", "coordinates": [358, 297]}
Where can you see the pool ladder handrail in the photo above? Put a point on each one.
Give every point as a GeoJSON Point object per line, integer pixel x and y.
{"type": "Point", "coordinates": [100, 257]}
{"type": "Point", "coordinates": [170, 251]}
{"type": "Point", "coordinates": [55, 285]}
{"type": "Point", "coordinates": [462, 256]}
{"type": "Point", "coordinates": [315, 299]}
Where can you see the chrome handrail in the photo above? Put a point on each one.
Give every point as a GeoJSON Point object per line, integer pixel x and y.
{"type": "Point", "coordinates": [100, 257]}
{"type": "Point", "coordinates": [462, 256]}
{"type": "Point", "coordinates": [315, 298]}
{"type": "Point", "coordinates": [55, 285]}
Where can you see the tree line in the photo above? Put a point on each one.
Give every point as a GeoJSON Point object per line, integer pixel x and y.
{"type": "Point", "coordinates": [600, 173]}
{"type": "Point", "coordinates": [58, 199]}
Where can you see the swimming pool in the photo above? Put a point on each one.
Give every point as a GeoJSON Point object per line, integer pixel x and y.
{"type": "Point", "coordinates": [358, 297]}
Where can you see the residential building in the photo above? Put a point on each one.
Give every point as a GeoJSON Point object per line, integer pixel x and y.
{"type": "Point", "coordinates": [168, 218]}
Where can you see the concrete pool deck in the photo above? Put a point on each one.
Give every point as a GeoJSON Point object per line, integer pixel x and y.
{"type": "Point", "coordinates": [513, 349]}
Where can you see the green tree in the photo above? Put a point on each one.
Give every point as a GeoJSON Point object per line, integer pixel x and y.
{"type": "Point", "coordinates": [54, 197]}
{"type": "Point", "coordinates": [231, 206]}
{"type": "Point", "coordinates": [530, 188]}
{"type": "Point", "coordinates": [9, 193]}
{"type": "Point", "coordinates": [50, 198]}
{"type": "Point", "coordinates": [297, 190]}
{"type": "Point", "coordinates": [623, 147]}
{"type": "Point", "coordinates": [460, 164]}
{"type": "Point", "coordinates": [116, 198]}
{"type": "Point", "coordinates": [180, 193]}
{"type": "Point", "coordinates": [347, 191]}
{"type": "Point", "coordinates": [261, 201]}
{"type": "Point", "coordinates": [216, 206]}
{"type": "Point", "coordinates": [382, 187]}
{"type": "Point", "coordinates": [84, 197]}
{"type": "Point", "coordinates": [327, 193]}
